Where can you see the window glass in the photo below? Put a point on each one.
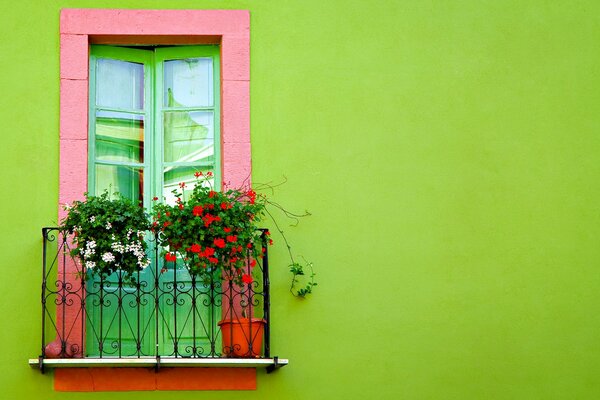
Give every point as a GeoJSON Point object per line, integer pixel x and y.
{"type": "Point", "coordinates": [119, 84]}
{"type": "Point", "coordinates": [188, 83]}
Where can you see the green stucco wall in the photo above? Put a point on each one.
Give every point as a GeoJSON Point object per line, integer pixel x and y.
{"type": "Point", "coordinates": [449, 152]}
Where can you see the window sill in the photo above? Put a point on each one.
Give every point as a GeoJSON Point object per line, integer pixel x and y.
{"type": "Point", "coordinates": [270, 364]}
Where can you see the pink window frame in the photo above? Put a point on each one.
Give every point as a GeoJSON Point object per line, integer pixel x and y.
{"type": "Point", "coordinates": [81, 27]}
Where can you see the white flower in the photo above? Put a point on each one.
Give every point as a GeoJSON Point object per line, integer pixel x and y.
{"type": "Point", "coordinates": [108, 257]}
{"type": "Point", "coordinates": [90, 248]}
{"type": "Point", "coordinates": [108, 226]}
{"type": "Point", "coordinates": [92, 218]}
{"type": "Point", "coordinates": [90, 264]}
{"type": "Point", "coordinates": [118, 247]}
{"type": "Point", "coordinates": [67, 207]}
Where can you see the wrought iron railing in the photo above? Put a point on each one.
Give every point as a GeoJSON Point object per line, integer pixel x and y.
{"type": "Point", "coordinates": [165, 312]}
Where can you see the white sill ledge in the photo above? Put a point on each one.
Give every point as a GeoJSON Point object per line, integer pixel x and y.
{"type": "Point", "coordinates": [153, 362]}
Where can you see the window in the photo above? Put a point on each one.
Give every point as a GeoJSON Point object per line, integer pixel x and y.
{"type": "Point", "coordinates": [154, 119]}
{"type": "Point", "coordinates": [80, 28]}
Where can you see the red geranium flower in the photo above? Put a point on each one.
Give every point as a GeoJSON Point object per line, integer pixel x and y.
{"type": "Point", "coordinates": [170, 257]}
{"type": "Point", "coordinates": [247, 278]}
{"type": "Point", "coordinates": [251, 196]}
{"type": "Point", "coordinates": [220, 243]}
{"type": "Point", "coordinates": [211, 194]}
{"type": "Point", "coordinates": [249, 245]}
{"type": "Point", "coordinates": [252, 263]}
{"type": "Point", "coordinates": [232, 238]}
{"type": "Point", "coordinates": [198, 174]}
{"type": "Point", "coordinates": [198, 210]}
{"type": "Point", "coordinates": [213, 260]}
{"type": "Point", "coordinates": [227, 230]}
{"type": "Point", "coordinates": [209, 173]}
{"type": "Point", "coordinates": [208, 251]}
{"type": "Point", "coordinates": [180, 206]}
{"type": "Point", "coordinates": [182, 185]}
{"type": "Point", "coordinates": [196, 248]}
{"type": "Point", "coordinates": [155, 198]}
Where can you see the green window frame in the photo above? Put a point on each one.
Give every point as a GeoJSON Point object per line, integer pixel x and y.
{"type": "Point", "coordinates": [158, 116]}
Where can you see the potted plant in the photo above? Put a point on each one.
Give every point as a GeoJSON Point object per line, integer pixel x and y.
{"type": "Point", "coordinates": [211, 232]}
{"type": "Point", "coordinates": [108, 234]}
{"type": "Point", "coordinates": [215, 234]}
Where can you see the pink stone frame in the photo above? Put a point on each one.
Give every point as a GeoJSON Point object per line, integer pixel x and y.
{"type": "Point", "coordinates": [81, 27]}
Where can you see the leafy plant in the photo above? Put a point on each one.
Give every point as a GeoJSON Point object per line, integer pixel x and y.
{"type": "Point", "coordinates": [108, 233]}
{"type": "Point", "coordinates": [212, 232]}
{"type": "Point", "coordinates": [218, 232]}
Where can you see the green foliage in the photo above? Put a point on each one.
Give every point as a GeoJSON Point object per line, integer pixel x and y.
{"type": "Point", "coordinates": [217, 233]}
{"type": "Point", "coordinates": [297, 269]}
{"type": "Point", "coordinates": [108, 233]}
{"type": "Point", "coordinates": [212, 232]}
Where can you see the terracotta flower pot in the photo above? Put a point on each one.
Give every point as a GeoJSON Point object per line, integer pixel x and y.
{"type": "Point", "coordinates": [242, 337]}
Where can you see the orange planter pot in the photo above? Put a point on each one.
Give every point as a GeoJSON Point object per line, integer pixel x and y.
{"type": "Point", "coordinates": [242, 337]}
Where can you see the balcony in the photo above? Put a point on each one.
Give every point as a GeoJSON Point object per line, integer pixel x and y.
{"type": "Point", "coordinates": [160, 317]}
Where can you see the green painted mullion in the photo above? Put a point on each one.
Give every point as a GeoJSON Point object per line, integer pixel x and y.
{"type": "Point", "coordinates": [158, 175]}
{"type": "Point", "coordinates": [148, 131]}
{"type": "Point", "coordinates": [120, 163]}
{"type": "Point", "coordinates": [206, 108]}
{"type": "Point", "coordinates": [122, 110]}
{"type": "Point", "coordinates": [188, 164]}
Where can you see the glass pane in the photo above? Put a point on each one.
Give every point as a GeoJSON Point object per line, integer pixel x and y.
{"type": "Point", "coordinates": [128, 181]}
{"type": "Point", "coordinates": [119, 137]}
{"type": "Point", "coordinates": [188, 83]}
{"type": "Point", "coordinates": [189, 136]}
{"type": "Point", "coordinates": [174, 176]}
{"type": "Point", "coordinates": [119, 84]}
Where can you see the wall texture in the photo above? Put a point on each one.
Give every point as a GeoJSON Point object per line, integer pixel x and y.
{"type": "Point", "coordinates": [449, 153]}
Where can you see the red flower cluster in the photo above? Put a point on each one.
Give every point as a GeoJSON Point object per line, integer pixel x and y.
{"type": "Point", "coordinates": [211, 230]}
{"type": "Point", "coordinates": [232, 238]}
{"type": "Point", "coordinates": [197, 249]}
{"type": "Point", "coordinates": [209, 219]}
{"type": "Point", "coordinates": [198, 210]}
{"type": "Point", "coordinates": [251, 196]}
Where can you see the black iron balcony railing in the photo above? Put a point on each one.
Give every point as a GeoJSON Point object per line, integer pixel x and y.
{"type": "Point", "coordinates": [164, 314]}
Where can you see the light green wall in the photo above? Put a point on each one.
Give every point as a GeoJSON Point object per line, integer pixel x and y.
{"type": "Point", "coordinates": [450, 154]}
